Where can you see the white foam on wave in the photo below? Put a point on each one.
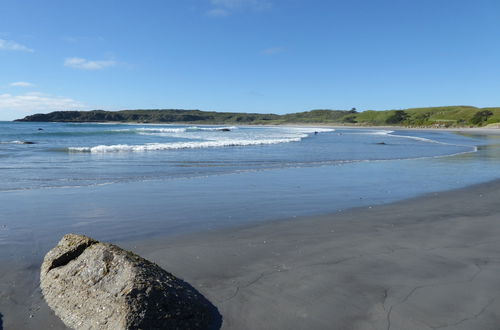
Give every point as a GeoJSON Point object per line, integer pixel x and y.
{"type": "Point", "coordinates": [211, 129]}
{"type": "Point", "coordinates": [157, 130]}
{"type": "Point", "coordinates": [12, 142]}
{"type": "Point", "coordinates": [383, 132]}
{"type": "Point", "coordinates": [263, 137]}
{"type": "Point", "coordinates": [176, 129]}
{"type": "Point", "coordinates": [379, 132]}
{"type": "Point", "coordinates": [179, 145]}
{"type": "Point", "coordinates": [185, 129]}
{"type": "Point", "coordinates": [417, 138]}
{"type": "Point", "coordinates": [161, 130]}
{"type": "Point", "coordinates": [309, 130]}
{"type": "Point", "coordinates": [390, 134]}
{"type": "Point", "coordinates": [421, 139]}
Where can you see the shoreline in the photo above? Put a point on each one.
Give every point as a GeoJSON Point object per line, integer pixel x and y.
{"type": "Point", "coordinates": [483, 130]}
{"type": "Point", "coordinates": [421, 263]}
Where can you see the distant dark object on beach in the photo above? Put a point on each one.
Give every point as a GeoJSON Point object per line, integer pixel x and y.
{"type": "Point", "coordinates": [225, 130]}
{"type": "Point", "coordinates": [28, 142]}
{"type": "Point", "coordinates": [97, 285]}
{"type": "Point", "coordinates": [381, 143]}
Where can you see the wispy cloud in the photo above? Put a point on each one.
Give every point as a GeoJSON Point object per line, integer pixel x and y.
{"type": "Point", "coordinates": [222, 8]}
{"type": "Point", "coordinates": [12, 45]}
{"type": "Point", "coordinates": [31, 102]}
{"type": "Point", "coordinates": [84, 64]}
{"type": "Point", "coordinates": [272, 51]}
{"type": "Point", "coordinates": [21, 84]}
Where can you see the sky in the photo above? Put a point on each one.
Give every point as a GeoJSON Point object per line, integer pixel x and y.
{"type": "Point", "coordinates": [265, 56]}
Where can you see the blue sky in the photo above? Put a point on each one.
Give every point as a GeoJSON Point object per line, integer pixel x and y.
{"type": "Point", "coordinates": [264, 56]}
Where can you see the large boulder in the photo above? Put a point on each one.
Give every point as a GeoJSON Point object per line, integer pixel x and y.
{"type": "Point", "coordinates": [93, 285]}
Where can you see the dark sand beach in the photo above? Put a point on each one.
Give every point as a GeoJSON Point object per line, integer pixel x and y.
{"type": "Point", "coordinates": [426, 263]}
{"type": "Point", "coordinates": [250, 165]}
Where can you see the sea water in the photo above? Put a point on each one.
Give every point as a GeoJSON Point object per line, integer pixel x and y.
{"type": "Point", "coordinates": [120, 181]}
{"type": "Point", "coordinates": [76, 155]}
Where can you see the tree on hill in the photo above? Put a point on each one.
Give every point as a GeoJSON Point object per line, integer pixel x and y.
{"type": "Point", "coordinates": [481, 117]}
{"type": "Point", "coordinates": [398, 117]}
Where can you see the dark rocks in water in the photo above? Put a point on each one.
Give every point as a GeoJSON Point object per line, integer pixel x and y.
{"type": "Point", "coordinates": [381, 143]}
{"type": "Point", "coordinates": [40, 129]}
{"type": "Point", "coordinates": [94, 285]}
{"type": "Point", "coordinates": [225, 130]}
{"type": "Point", "coordinates": [28, 142]}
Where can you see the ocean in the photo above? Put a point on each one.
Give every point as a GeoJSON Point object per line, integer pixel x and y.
{"type": "Point", "coordinates": [121, 181]}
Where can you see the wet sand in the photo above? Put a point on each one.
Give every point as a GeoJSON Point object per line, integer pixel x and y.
{"type": "Point", "coordinates": [427, 263]}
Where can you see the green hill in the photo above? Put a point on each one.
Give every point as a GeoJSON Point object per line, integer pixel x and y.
{"type": "Point", "coordinates": [450, 116]}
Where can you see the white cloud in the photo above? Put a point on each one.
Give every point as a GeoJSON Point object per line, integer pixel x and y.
{"type": "Point", "coordinates": [21, 84]}
{"type": "Point", "coordinates": [14, 106]}
{"type": "Point", "coordinates": [12, 45]}
{"type": "Point", "coordinates": [227, 7]}
{"type": "Point", "coordinates": [272, 51]}
{"type": "Point", "coordinates": [84, 64]}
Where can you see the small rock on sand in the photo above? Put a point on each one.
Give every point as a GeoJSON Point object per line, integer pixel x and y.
{"type": "Point", "coordinates": [93, 285]}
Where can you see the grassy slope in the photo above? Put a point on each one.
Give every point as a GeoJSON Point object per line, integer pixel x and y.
{"type": "Point", "coordinates": [454, 113]}
{"type": "Point", "coordinates": [433, 116]}
{"type": "Point", "coordinates": [450, 116]}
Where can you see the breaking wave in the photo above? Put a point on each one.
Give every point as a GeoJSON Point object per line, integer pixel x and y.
{"type": "Point", "coordinates": [179, 145]}
{"type": "Point", "coordinates": [390, 134]}
{"type": "Point", "coordinates": [293, 134]}
{"type": "Point", "coordinates": [178, 129]}
{"type": "Point", "coordinates": [13, 142]}
{"type": "Point", "coordinates": [417, 138]}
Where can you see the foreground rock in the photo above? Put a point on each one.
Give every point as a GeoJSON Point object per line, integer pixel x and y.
{"type": "Point", "coordinates": [93, 285]}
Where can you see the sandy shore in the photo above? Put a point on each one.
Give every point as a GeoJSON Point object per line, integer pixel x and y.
{"type": "Point", "coordinates": [486, 130]}
{"type": "Point", "coordinates": [425, 263]}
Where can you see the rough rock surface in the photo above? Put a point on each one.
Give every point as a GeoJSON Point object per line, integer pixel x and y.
{"type": "Point", "coordinates": [93, 285]}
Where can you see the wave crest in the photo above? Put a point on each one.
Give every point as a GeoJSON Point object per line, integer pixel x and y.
{"type": "Point", "coordinates": [13, 142]}
{"type": "Point", "coordinates": [179, 145]}
{"type": "Point", "coordinates": [184, 129]}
